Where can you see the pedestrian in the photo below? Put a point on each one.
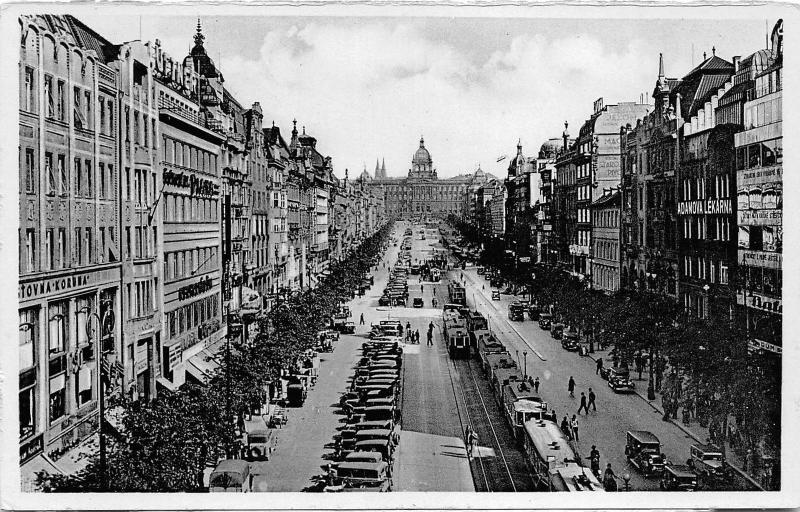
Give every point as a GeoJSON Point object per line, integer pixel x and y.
{"type": "Point", "coordinates": [421, 287]}
{"type": "Point", "coordinates": [408, 326]}
{"type": "Point", "coordinates": [430, 327]}
{"type": "Point", "coordinates": [583, 404]}
{"type": "Point", "coordinates": [574, 426]}
{"type": "Point", "coordinates": [553, 415]}
{"type": "Point", "coordinates": [430, 338]}
{"type": "Point", "coordinates": [571, 387]}
{"type": "Point", "coordinates": [362, 319]}
{"type": "Point", "coordinates": [400, 330]}
{"type": "Point", "coordinates": [536, 385]}
{"type": "Point", "coordinates": [599, 365]}
{"type": "Point", "coordinates": [565, 428]}
{"type": "Point", "coordinates": [416, 336]}
{"type": "Point", "coordinates": [591, 401]}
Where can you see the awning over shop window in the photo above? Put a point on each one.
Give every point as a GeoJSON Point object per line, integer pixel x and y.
{"type": "Point", "coordinates": [202, 365]}
{"type": "Point", "coordinates": [37, 464]}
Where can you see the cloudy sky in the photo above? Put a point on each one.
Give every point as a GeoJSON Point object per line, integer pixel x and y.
{"type": "Point", "coordinates": [368, 87]}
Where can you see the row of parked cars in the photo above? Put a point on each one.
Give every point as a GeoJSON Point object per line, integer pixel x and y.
{"type": "Point", "coordinates": [365, 445]}
{"type": "Point", "coordinates": [704, 469]}
{"type": "Point", "coordinates": [396, 291]}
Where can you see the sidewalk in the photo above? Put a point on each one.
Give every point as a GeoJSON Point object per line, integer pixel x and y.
{"type": "Point", "coordinates": [695, 431]}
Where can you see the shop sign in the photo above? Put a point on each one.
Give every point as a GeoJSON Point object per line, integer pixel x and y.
{"type": "Point", "coordinates": [763, 345]}
{"type": "Point", "coordinates": [760, 302]}
{"type": "Point", "coordinates": [760, 217]}
{"type": "Point", "coordinates": [760, 176]}
{"type": "Point", "coordinates": [63, 284]}
{"type": "Point", "coordinates": [197, 186]}
{"type": "Point", "coordinates": [525, 259]}
{"type": "Point", "coordinates": [705, 207]}
{"type": "Point", "coordinates": [761, 259]}
{"type": "Point", "coordinates": [174, 355]}
{"type": "Point", "coordinates": [31, 448]}
{"type": "Point", "coordinates": [579, 249]}
{"type": "Point", "coordinates": [608, 166]}
{"type": "Point", "coordinates": [201, 286]}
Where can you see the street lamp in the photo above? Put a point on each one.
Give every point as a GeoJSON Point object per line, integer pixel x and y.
{"type": "Point", "coordinates": [525, 368]}
{"type": "Point", "coordinates": [101, 403]}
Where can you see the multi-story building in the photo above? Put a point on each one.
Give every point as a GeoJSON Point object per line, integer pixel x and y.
{"type": "Point", "coordinates": [69, 224]}
{"type": "Point", "coordinates": [258, 271]}
{"type": "Point", "coordinates": [421, 193]}
{"type": "Point", "coordinates": [483, 214]}
{"type": "Point", "coordinates": [278, 165]}
{"type": "Point", "coordinates": [605, 250]}
{"type": "Point", "coordinates": [759, 188]}
{"type": "Point", "coordinates": [191, 168]}
{"type": "Point", "coordinates": [522, 187]}
{"type": "Point", "coordinates": [706, 181]}
{"type": "Point", "coordinates": [657, 263]}
{"type": "Point", "coordinates": [497, 212]}
{"type": "Point", "coordinates": [589, 166]}
{"type": "Point", "coordinates": [542, 229]}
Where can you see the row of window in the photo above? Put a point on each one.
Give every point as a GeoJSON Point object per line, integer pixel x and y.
{"type": "Point", "coordinates": [606, 219]}
{"type": "Point", "coordinates": [143, 128]}
{"type": "Point", "coordinates": [57, 174]}
{"type": "Point", "coordinates": [190, 262]}
{"type": "Point", "coordinates": [763, 113]}
{"type": "Point", "coordinates": [606, 250]}
{"type": "Point", "coordinates": [762, 154]}
{"type": "Point", "coordinates": [56, 248]}
{"type": "Point", "coordinates": [142, 298]}
{"type": "Point", "coordinates": [178, 208]}
{"type": "Point", "coordinates": [707, 228]}
{"type": "Point", "coordinates": [695, 188]}
{"type": "Point", "coordinates": [761, 238]}
{"type": "Point", "coordinates": [584, 215]}
{"type": "Point", "coordinates": [699, 267]}
{"type": "Point", "coordinates": [57, 103]}
{"type": "Point", "coordinates": [143, 244]}
{"type": "Point", "coordinates": [185, 155]}
{"type": "Point", "coordinates": [191, 315]}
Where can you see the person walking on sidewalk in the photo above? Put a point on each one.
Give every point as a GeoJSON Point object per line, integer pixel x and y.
{"type": "Point", "coordinates": [430, 338]}
{"type": "Point", "coordinates": [583, 403]}
{"type": "Point", "coordinates": [416, 336]}
{"type": "Point", "coordinates": [599, 365]}
{"type": "Point", "coordinates": [591, 401]}
{"type": "Point", "coordinates": [361, 322]}
{"type": "Point", "coordinates": [565, 428]}
{"type": "Point", "coordinates": [536, 385]}
{"type": "Point", "coordinates": [571, 387]}
{"type": "Point", "coordinates": [573, 425]}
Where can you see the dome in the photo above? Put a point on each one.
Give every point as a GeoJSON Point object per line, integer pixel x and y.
{"type": "Point", "coordinates": [422, 157]}
{"type": "Point", "coordinates": [550, 148]}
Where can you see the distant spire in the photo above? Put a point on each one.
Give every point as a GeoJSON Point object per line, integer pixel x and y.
{"type": "Point", "coordinates": [199, 37]}
{"type": "Point", "coordinates": [377, 166]}
{"type": "Point", "coordinates": [660, 65]}
{"type": "Point", "coordinates": [421, 141]}
{"type": "Point", "coordinates": [704, 56]}
{"type": "Point", "coordinates": [713, 50]}
{"type": "Point", "coordinates": [304, 129]}
{"type": "Point", "coordinates": [383, 167]}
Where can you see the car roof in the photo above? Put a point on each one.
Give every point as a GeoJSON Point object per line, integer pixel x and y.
{"type": "Point", "coordinates": [643, 436]}
{"type": "Point", "coordinates": [680, 470]}
{"type": "Point", "coordinates": [362, 465]}
{"type": "Point", "coordinates": [707, 448]}
{"type": "Point", "coordinates": [232, 465]}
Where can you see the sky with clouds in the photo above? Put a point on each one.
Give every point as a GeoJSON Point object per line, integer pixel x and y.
{"type": "Point", "coordinates": [368, 87]}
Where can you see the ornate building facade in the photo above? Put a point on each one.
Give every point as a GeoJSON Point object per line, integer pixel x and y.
{"type": "Point", "coordinates": [421, 193]}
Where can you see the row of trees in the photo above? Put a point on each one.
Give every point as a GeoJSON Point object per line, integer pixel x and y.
{"type": "Point", "coordinates": [165, 445]}
{"type": "Point", "coordinates": [701, 365]}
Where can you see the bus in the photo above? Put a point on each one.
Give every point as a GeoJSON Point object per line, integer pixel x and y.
{"type": "Point", "coordinates": [457, 294]}
{"type": "Point", "coordinates": [555, 465]}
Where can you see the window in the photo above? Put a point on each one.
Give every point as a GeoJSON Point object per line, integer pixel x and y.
{"type": "Point", "coordinates": [49, 96]}
{"type": "Point", "coordinates": [77, 172]}
{"type": "Point", "coordinates": [78, 247]}
{"type": "Point", "coordinates": [127, 124]}
{"type": "Point", "coordinates": [153, 133]}
{"type": "Point", "coordinates": [136, 134]}
{"type": "Point", "coordinates": [88, 241]}
{"type": "Point", "coordinates": [101, 241]}
{"type": "Point", "coordinates": [30, 171]}
{"type": "Point", "coordinates": [51, 173]}
{"type": "Point", "coordinates": [89, 176]}
{"type": "Point", "coordinates": [57, 323]}
{"type": "Point", "coordinates": [110, 118]}
{"type": "Point", "coordinates": [50, 250]}
{"type": "Point", "coordinates": [63, 184]}
{"type": "Point", "coordinates": [127, 242]}
{"type": "Point", "coordinates": [61, 97]}
{"type": "Point", "coordinates": [127, 189]}
{"type": "Point", "coordinates": [77, 110]}
{"type": "Point", "coordinates": [101, 167]}
{"type": "Point", "coordinates": [723, 274]}
{"type": "Point", "coordinates": [62, 247]}
{"type": "Point", "coordinates": [29, 100]}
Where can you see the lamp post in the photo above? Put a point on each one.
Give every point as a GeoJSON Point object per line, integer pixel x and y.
{"type": "Point", "coordinates": [525, 365]}
{"type": "Point", "coordinates": [101, 402]}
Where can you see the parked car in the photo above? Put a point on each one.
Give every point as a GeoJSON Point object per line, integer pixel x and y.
{"type": "Point", "coordinates": [557, 330]}
{"type": "Point", "coordinates": [643, 450]}
{"type": "Point", "coordinates": [481, 271]}
{"type": "Point", "coordinates": [495, 294]}
{"type": "Point", "coordinates": [418, 302]}
{"type": "Point", "coordinates": [231, 475]}
{"type": "Point", "coordinates": [569, 343]}
{"type": "Point", "coordinates": [544, 321]}
{"type": "Point", "coordinates": [607, 372]}
{"type": "Point", "coordinates": [678, 477]}
{"type": "Point", "coordinates": [707, 460]}
{"type": "Point", "coordinates": [621, 384]}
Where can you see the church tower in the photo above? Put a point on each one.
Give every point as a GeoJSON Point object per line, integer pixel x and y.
{"type": "Point", "coordinates": [422, 163]}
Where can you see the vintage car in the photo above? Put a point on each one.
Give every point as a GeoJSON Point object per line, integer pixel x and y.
{"type": "Point", "coordinates": [481, 271]}
{"type": "Point", "coordinates": [619, 380]}
{"type": "Point", "coordinates": [678, 477]}
{"type": "Point", "coordinates": [570, 342]}
{"type": "Point", "coordinates": [707, 460]}
{"type": "Point", "coordinates": [385, 301]}
{"type": "Point", "coordinates": [557, 330]}
{"type": "Point", "coordinates": [231, 475]}
{"type": "Point", "coordinates": [495, 294]}
{"type": "Point", "coordinates": [544, 321]}
{"type": "Point", "coordinates": [348, 328]}
{"type": "Point", "coordinates": [516, 311]}
{"type": "Point", "coordinates": [533, 311]}
{"type": "Point", "coordinates": [606, 372]}
{"type": "Point", "coordinates": [643, 450]}
{"type": "Point", "coordinates": [418, 302]}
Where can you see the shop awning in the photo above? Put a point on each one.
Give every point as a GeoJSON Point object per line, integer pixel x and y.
{"type": "Point", "coordinates": [39, 463]}
{"type": "Point", "coordinates": [202, 365]}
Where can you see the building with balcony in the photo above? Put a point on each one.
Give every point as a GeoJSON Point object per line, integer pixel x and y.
{"type": "Point", "coordinates": [191, 173]}
{"type": "Point", "coordinates": [542, 250]}
{"type": "Point", "coordinates": [605, 251]}
{"type": "Point", "coordinates": [69, 228]}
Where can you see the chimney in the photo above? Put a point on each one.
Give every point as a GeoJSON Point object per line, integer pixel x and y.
{"type": "Point", "coordinates": [736, 60]}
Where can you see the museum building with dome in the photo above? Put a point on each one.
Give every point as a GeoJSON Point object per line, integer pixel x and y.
{"type": "Point", "coordinates": [421, 193]}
